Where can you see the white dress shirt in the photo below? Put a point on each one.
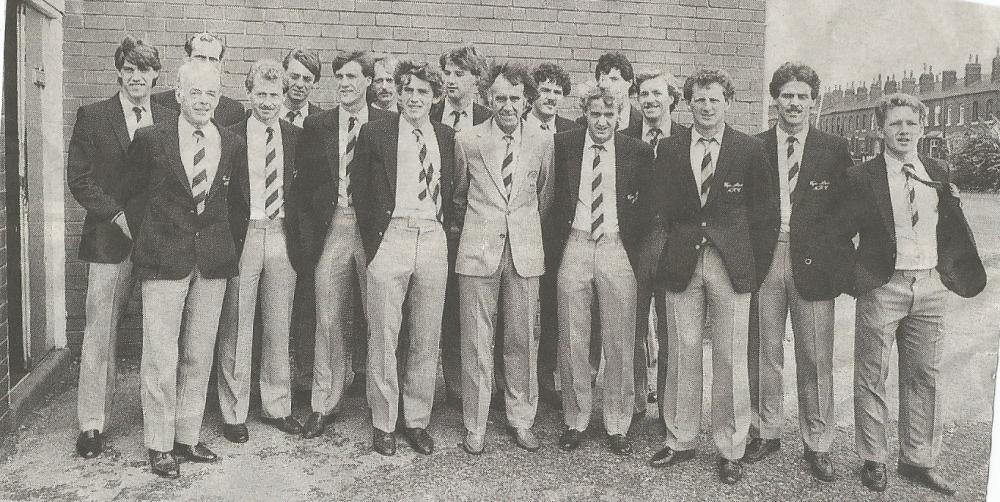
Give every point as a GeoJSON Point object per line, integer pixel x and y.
{"type": "Point", "coordinates": [664, 130]}
{"type": "Point", "coordinates": [188, 146]}
{"type": "Point", "coordinates": [408, 186]}
{"type": "Point", "coordinates": [130, 120]}
{"type": "Point", "coordinates": [256, 154]}
{"type": "Point", "coordinates": [299, 119]}
{"type": "Point", "coordinates": [463, 123]}
{"type": "Point", "coordinates": [698, 153]}
{"type": "Point", "coordinates": [916, 247]}
{"type": "Point", "coordinates": [784, 164]}
{"type": "Point", "coordinates": [344, 119]}
{"type": "Point", "coordinates": [497, 135]}
{"type": "Point", "coordinates": [625, 116]}
{"type": "Point", "coordinates": [532, 123]}
{"type": "Point", "coordinates": [584, 214]}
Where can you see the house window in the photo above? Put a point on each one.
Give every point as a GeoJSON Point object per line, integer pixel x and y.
{"type": "Point", "coordinates": [989, 109]}
{"type": "Point", "coordinates": [961, 114]}
{"type": "Point", "coordinates": [937, 115]}
{"type": "Point", "coordinates": [975, 111]}
{"type": "Point", "coordinates": [947, 115]}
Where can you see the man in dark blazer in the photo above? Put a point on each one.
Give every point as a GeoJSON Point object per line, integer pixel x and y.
{"type": "Point", "coordinates": [403, 184]}
{"type": "Point", "coordinates": [553, 86]}
{"type": "Point", "coordinates": [597, 218]}
{"type": "Point", "coordinates": [302, 72]}
{"type": "Point", "coordinates": [462, 68]}
{"type": "Point", "coordinates": [914, 245]}
{"type": "Point", "coordinates": [96, 174]}
{"type": "Point", "coordinates": [810, 268]}
{"type": "Point", "coordinates": [614, 74]}
{"type": "Point", "coordinates": [188, 204]}
{"type": "Point", "coordinates": [720, 208]}
{"type": "Point", "coordinates": [210, 48]}
{"type": "Point", "coordinates": [658, 95]}
{"type": "Point", "coordinates": [329, 231]}
{"type": "Point", "coordinates": [268, 265]}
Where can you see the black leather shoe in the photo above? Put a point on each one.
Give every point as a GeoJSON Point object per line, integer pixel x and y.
{"type": "Point", "coordinates": [163, 464]}
{"type": "Point", "coordinates": [419, 439]}
{"type": "Point", "coordinates": [570, 440]}
{"type": "Point", "coordinates": [235, 433]}
{"type": "Point", "coordinates": [288, 424]}
{"type": "Point", "coordinates": [730, 471]}
{"type": "Point", "coordinates": [927, 477]}
{"type": "Point", "coordinates": [383, 442]}
{"type": "Point", "coordinates": [316, 424]}
{"type": "Point", "coordinates": [820, 465]}
{"type": "Point", "coordinates": [759, 448]}
{"type": "Point", "coordinates": [873, 476]}
{"type": "Point", "coordinates": [669, 456]}
{"type": "Point", "coordinates": [620, 445]}
{"type": "Point", "coordinates": [90, 444]}
{"type": "Point", "coordinates": [197, 453]}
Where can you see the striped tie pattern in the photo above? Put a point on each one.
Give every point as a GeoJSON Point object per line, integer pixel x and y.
{"type": "Point", "coordinates": [292, 115]}
{"type": "Point", "coordinates": [793, 171]}
{"type": "Point", "coordinates": [544, 126]}
{"type": "Point", "coordinates": [707, 168]}
{"type": "Point", "coordinates": [507, 169]}
{"type": "Point", "coordinates": [199, 184]}
{"type": "Point", "coordinates": [137, 110]}
{"type": "Point", "coordinates": [273, 200]}
{"type": "Point", "coordinates": [911, 193]}
{"type": "Point", "coordinates": [458, 116]}
{"type": "Point", "coordinates": [428, 184]}
{"type": "Point", "coordinates": [596, 196]}
{"type": "Point", "coordinates": [654, 136]}
{"type": "Point", "coordinates": [352, 141]}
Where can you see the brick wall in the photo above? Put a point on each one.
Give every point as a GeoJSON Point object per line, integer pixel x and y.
{"type": "Point", "coordinates": [678, 35]}
{"type": "Point", "coordinates": [4, 337]}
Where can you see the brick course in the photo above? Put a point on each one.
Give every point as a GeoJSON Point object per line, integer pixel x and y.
{"type": "Point", "coordinates": [679, 35]}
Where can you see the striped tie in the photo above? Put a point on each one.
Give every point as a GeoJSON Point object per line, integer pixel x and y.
{"type": "Point", "coordinates": [507, 170]}
{"type": "Point", "coordinates": [458, 116]}
{"type": "Point", "coordinates": [911, 193]}
{"type": "Point", "coordinates": [428, 185]}
{"type": "Point", "coordinates": [199, 184]}
{"type": "Point", "coordinates": [596, 196]}
{"type": "Point", "coordinates": [137, 110]}
{"type": "Point", "coordinates": [273, 200]}
{"type": "Point", "coordinates": [793, 171]}
{"type": "Point", "coordinates": [707, 169]}
{"type": "Point", "coordinates": [292, 115]}
{"type": "Point", "coordinates": [654, 136]}
{"type": "Point", "coordinates": [352, 141]}
{"type": "Point", "coordinates": [544, 126]}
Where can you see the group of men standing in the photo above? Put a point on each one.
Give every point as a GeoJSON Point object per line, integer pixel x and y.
{"type": "Point", "coordinates": [515, 243]}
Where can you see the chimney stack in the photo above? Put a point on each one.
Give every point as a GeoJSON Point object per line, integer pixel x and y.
{"type": "Point", "coordinates": [909, 83]}
{"type": "Point", "coordinates": [948, 79]}
{"type": "Point", "coordinates": [927, 80]}
{"type": "Point", "coordinates": [876, 89]}
{"type": "Point", "coordinates": [891, 86]}
{"type": "Point", "coordinates": [973, 72]}
{"type": "Point", "coordinates": [996, 67]}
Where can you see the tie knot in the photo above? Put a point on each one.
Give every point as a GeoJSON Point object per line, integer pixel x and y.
{"type": "Point", "coordinates": [909, 170]}
{"type": "Point", "coordinates": [291, 115]}
{"type": "Point", "coordinates": [199, 134]}
{"type": "Point", "coordinates": [598, 148]}
{"type": "Point", "coordinates": [544, 126]}
{"type": "Point", "coordinates": [270, 132]}
{"type": "Point", "coordinates": [706, 141]}
{"type": "Point", "coordinates": [419, 134]}
{"type": "Point", "coordinates": [351, 121]}
{"type": "Point", "coordinates": [792, 139]}
{"type": "Point", "coordinates": [458, 113]}
{"type": "Point", "coordinates": [509, 139]}
{"type": "Point", "coordinates": [655, 132]}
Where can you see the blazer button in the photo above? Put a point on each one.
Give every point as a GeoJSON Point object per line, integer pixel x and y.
{"type": "Point", "coordinates": [808, 261]}
{"type": "Point", "coordinates": [704, 224]}
{"type": "Point", "coordinates": [503, 236]}
{"type": "Point", "coordinates": [697, 246]}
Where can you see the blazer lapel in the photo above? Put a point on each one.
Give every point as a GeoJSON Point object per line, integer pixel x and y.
{"type": "Point", "coordinates": [117, 119]}
{"type": "Point", "coordinates": [171, 142]}
{"type": "Point", "coordinates": [575, 159]}
{"type": "Point", "coordinates": [487, 152]}
{"type": "Point", "coordinates": [225, 154]}
{"type": "Point", "coordinates": [623, 175]}
{"type": "Point", "coordinates": [528, 152]}
{"type": "Point", "coordinates": [683, 161]}
{"type": "Point", "coordinates": [811, 156]}
{"type": "Point", "coordinates": [721, 165]}
{"type": "Point", "coordinates": [880, 185]}
{"type": "Point", "coordinates": [389, 148]}
{"type": "Point", "coordinates": [288, 149]}
{"type": "Point", "coordinates": [333, 143]}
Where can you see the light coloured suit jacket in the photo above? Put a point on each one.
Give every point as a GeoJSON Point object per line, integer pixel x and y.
{"type": "Point", "coordinates": [484, 217]}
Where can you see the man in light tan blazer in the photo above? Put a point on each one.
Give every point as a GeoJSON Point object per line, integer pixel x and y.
{"type": "Point", "coordinates": [502, 190]}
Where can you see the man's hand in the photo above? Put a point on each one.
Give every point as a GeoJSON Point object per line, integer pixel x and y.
{"type": "Point", "coordinates": [122, 224]}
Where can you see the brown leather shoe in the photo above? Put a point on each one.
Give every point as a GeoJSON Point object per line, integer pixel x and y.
{"type": "Point", "coordinates": [820, 465]}
{"type": "Point", "coordinates": [163, 464]}
{"type": "Point", "coordinates": [316, 425]}
{"type": "Point", "coordinates": [669, 456]}
{"type": "Point", "coordinates": [89, 444]}
{"type": "Point", "coordinates": [759, 448]}
{"type": "Point", "coordinates": [873, 476]}
{"type": "Point", "coordinates": [197, 453]}
{"type": "Point", "coordinates": [383, 442]}
{"type": "Point", "coordinates": [288, 424]}
{"type": "Point", "coordinates": [419, 439]}
{"type": "Point", "coordinates": [927, 477]}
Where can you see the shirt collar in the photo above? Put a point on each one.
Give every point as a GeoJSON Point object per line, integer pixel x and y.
{"type": "Point", "coordinates": [256, 126]}
{"type": "Point", "coordinates": [695, 136]}
{"type": "Point", "coordinates": [127, 104]}
{"type": "Point", "coordinates": [664, 130]}
{"type": "Point", "coordinates": [186, 129]}
{"type": "Point", "coordinates": [896, 166]}
{"type": "Point", "coordinates": [406, 128]}
{"type": "Point", "coordinates": [362, 114]}
{"type": "Point", "coordinates": [448, 108]}
{"type": "Point", "coordinates": [800, 136]}
{"type": "Point", "coordinates": [498, 133]}
{"type": "Point", "coordinates": [609, 145]}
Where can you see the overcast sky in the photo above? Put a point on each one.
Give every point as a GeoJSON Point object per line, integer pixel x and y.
{"type": "Point", "coordinates": [855, 40]}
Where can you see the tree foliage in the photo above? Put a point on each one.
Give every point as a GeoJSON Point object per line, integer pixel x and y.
{"type": "Point", "coordinates": [975, 159]}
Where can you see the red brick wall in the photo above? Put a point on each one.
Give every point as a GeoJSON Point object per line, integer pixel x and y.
{"type": "Point", "coordinates": [678, 35]}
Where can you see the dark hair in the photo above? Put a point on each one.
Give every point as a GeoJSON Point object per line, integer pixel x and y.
{"type": "Point", "coordinates": [614, 60]}
{"type": "Point", "coordinates": [204, 37]}
{"type": "Point", "coordinates": [514, 73]}
{"type": "Point", "coordinates": [407, 69]}
{"type": "Point", "coordinates": [466, 58]}
{"type": "Point", "coordinates": [706, 77]}
{"type": "Point", "coordinates": [794, 71]}
{"type": "Point", "coordinates": [360, 57]}
{"type": "Point", "coordinates": [135, 51]}
{"type": "Point", "coordinates": [308, 59]}
{"type": "Point", "coordinates": [672, 89]}
{"type": "Point", "coordinates": [551, 71]}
